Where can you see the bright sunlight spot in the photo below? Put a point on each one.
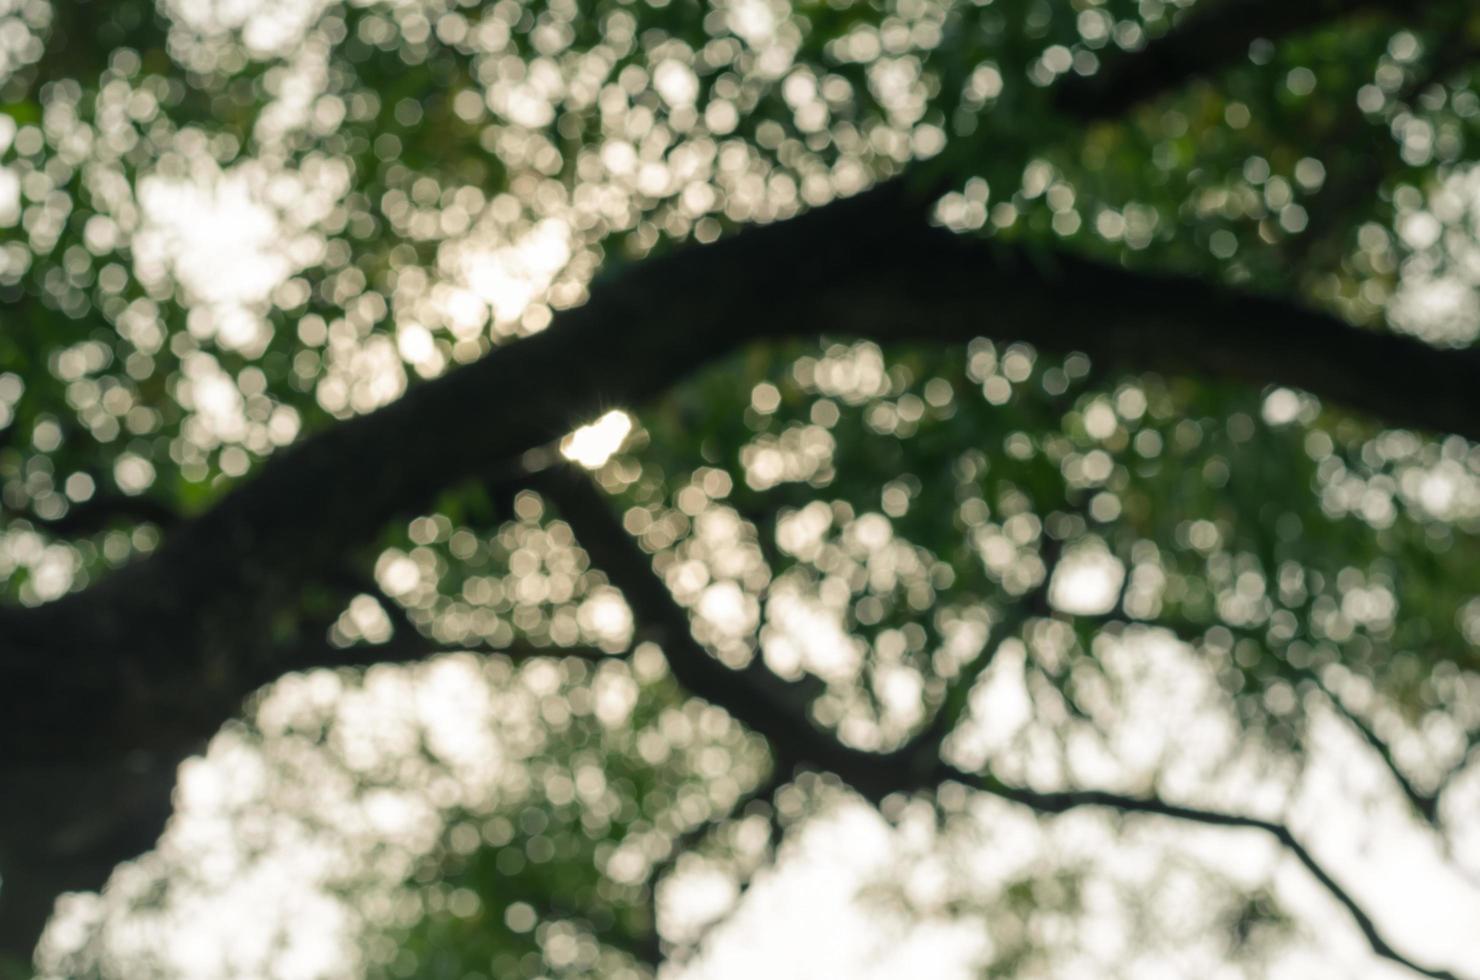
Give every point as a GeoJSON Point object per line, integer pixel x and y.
{"type": "Point", "coordinates": [594, 444]}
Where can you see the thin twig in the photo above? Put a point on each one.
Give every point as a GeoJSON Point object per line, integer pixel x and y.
{"type": "Point", "coordinates": [1063, 801]}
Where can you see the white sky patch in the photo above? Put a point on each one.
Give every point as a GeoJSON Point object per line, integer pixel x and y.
{"type": "Point", "coordinates": [804, 633]}
{"type": "Point", "coordinates": [10, 196]}
{"type": "Point", "coordinates": [605, 614]}
{"type": "Point", "coordinates": [817, 912]}
{"type": "Point", "coordinates": [214, 398]}
{"type": "Point", "coordinates": [266, 27]}
{"type": "Point", "coordinates": [1000, 707]}
{"type": "Point", "coordinates": [1440, 308]}
{"type": "Point", "coordinates": [692, 900]}
{"type": "Point", "coordinates": [592, 445]}
{"type": "Point", "coordinates": [807, 918]}
{"type": "Point", "coordinates": [415, 344]}
{"type": "Point", "coordinates": [1281, 406]}
{"type": "Point", "coordinates": [511, 277]}
{"type": "Point", "coordinates": [1420, 897]}
{"type": "Point", "coordinates": [1436, 298]}
{"type": "Point", "coordinates": [1344, 807]}
{"type": "Point", "coordinates": [221, 241]}
{"type": "Point", "coordinates": [676, 82]}
{"type": "Point", "coordinates": [1087, 582]}
{"type": "Point", "coordinates": [725, 605]}
{"type": "Point", "coordinates": [361, 376]}
{"type": "Point", "coordinates": [230, 238]}
{"type": "Point", "coordinates": [133, 473]}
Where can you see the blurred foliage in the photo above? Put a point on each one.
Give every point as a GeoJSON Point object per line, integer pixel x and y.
{"type": "Point", "coordinates": [223, 226]}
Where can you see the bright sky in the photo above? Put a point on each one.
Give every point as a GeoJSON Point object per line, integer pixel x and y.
{"type": "Point", "coordinates": [824, 908]}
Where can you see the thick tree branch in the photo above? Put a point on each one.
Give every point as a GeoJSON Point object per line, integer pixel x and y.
{"type": "Point", "coordinates": [1214, 35]}
{"type": "Point", "coordinates": [103, 692]}
{"type": "Point", "coordinates": [152, 659]}
{"type": "Point", "coordinates": [870, 267]}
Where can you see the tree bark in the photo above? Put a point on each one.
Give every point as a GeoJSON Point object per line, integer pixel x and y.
{"type": "Point", "coordinates": [150, 660]}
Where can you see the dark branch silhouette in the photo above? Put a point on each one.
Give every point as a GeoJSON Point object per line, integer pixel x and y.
{"type": "Point", "coordinates": [1059, 802]}
{"type": "Point", "coordinates": [1214, 35]}
{"type": "Point", "coordinates": [872, 775]}
{"type": "Point", "coordinates": [103, 692]}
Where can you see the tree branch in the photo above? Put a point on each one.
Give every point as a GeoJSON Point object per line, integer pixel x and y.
{"type": "Point", "coordinates": [1460, 767]}
{"type": "Point", "coordinates": [1062, 801]}
{"type": "Point", "coordinates": [1214, 35]}
{"type": "Point", "coordinates": [926, 744]}
{"type": "Point", "coordinates": [1355, 180]}
{"type": "Point", "coordinates": [747, 697]}
{"type": "Point", "coordinates": [1426, 805]}
{"type": "Point", "coordinates": [869, 266]}
{"type": "Point", "coordinates": [105, 510]}
{"type": "Point", "coordinates": [409, 650]}
{"type": "Point", "coordinates": [763, 792]}
{"type": "Point", "coordinates": [155, 657]}
{"type": "Point", "coordinates": [757, 698]}
{"type": "Point", "coordinates": [140, 668]}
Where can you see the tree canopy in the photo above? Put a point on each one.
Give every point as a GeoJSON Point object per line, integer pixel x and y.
{"type": "Point", "coordinates": [533, 466]}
